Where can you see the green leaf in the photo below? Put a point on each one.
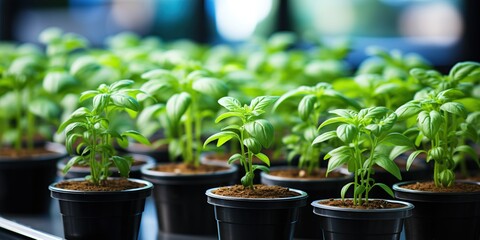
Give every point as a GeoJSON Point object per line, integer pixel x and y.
{"type": "Point", "coordinates": [407, 110]}
{"type": "Point", "coordinates": [398, 150]}
{"type": "Point", "coordinates": [412, 157]}
{"type": "Point", "coordinates": [345, 189]}
{"type": "Point", "coordinates": [345, 113]}
{"type": "Point", "coordinates": [228, 115]}
{"type": "Point", "coordinates": [230, 103]}
{"type": "Point", "coordinates": [386, 188]}
{"type": "Point", "coordinates": [136, 136]}
{"type": "Point", "coordinates": [388, 164]}
{"type": "Point", "coordinates": [347, 133]}
{"type": "Point", "coordinates": [397, 139]}
{"type": "Point", "coordinates": [450, 94]}
{"type": "Point", "coordinates": [45, 109]}
{"type": "Point", "coordinates": [264, 158]}
{"type": "Point", "coordinates": [324, 137]}
{"type": "Point", "coordinates": [464, 70]}
{"type": "Point", "coordinates": [295, 92]}
{"type": "Point", "coordinates": [120, 84]}
{"type": "Point", "coordinates": [468, 150]}
{"type": "Point", "coordinates": [74, 160]}
{"type": "Point", "coordinates": [100, 102]}
{"type": "Point", "coordinates": [360, 189]}
{"type": "Point", "coordinates": [306, 106]}
{"type": "Point", "coordinates": [262, 131]}
{"type": "Point", "coordinates": [429, 123]}
{"type": "Point", "coordinates": [157, 74]}
{"type": "Point", "coordinates": [338, 157]}
{"type": "Point", "coordinates": [262, 102]}
{"type": "Point", "coordinates": [235, 157]}
{"type": "Point", "coordinates": [123, 165]}
{"type": "Point", "coordinates": [332, 121]}
{"type": "Point", "coordinates": [56, 81]}
{"type": "Point", "coordinates": [454, 108]}
{"type": "Point", "coordinates": [125, 101]}
{"type": "Point", "coordinates": [88, 94]}
{"type": "Point", "coordinates": [211, 87]}
{"type": "Point", "coordinates": [177, 105]}
{"type": "Point", "coordinates": [261, 167]}
{"type": "Point", "coordinates": [222, 138]}
{"type": "Point", "coordinates": [253, 145]}
{"type": "Point", "coordinates": [374, 112]}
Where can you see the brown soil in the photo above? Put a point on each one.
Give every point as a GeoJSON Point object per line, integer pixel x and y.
{"type": "Point", "coordinates": [12, 153]}
{"type": "Point", "coordinates": [302, 174]}
{"type": "Point", "coordinates": [106, 186]}
{"type": "Point", "coordinates": [430, 187]}
{"type": "Point", "coordinates": [372, 204]}
{"type": "Point", "coordinates": [258, 191]}
{"type": "Point", "coordinates": [182, 168]}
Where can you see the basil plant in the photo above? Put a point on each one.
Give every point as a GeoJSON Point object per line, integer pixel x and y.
{"type": "Point", "coordinates": [90, 135]}
{"type": "Point", "coordinates": [364, 134]}
{"type": "Point", "coordinates": [250, 131]}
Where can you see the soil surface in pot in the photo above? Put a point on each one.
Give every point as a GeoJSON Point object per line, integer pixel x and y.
{"type": "Point", "coordinates": [182, 168]}
{"type": "Point", "coordinates": [258, 191]}
{"type": "Point", "coordinates": [430, 187]}
{"type": "Point", "coordinates": [372, 204]}
{"type": "Point", "coordinates": [10, 152]}
{"type": "Point", "coordinates": [302, 174]}
{"type": "Point", "coordinates": [106, 186]}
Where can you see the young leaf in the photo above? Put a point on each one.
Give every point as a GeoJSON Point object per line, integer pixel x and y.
{"type": "Point", "coordinates": [262, 102]}
{"type": "Point", "coordinates": [345, 189]}
{"type": "Point", "coordinates": [389, 165]}
{"type": "Point", "coordinates": [225, 136]}
{"type": "Point", "coordinates": [386, 188]}
{"type": "Point", "coordinates": [230, 103]}
{"type": "Point", "coordinates": [306, 106]}
{"type": "Point", "coordinates": [412, 157]}
{"type": "Point", "coordinates": [119, 85]}
{"type": "Point", "coordinates": [324, 137]}
{"type": "Point", "coordinates": [338, 157]}
{"type": "Point", "coordinates": [234, 157]}
{"type": "Point", "coordinates": [228, 115]}
{"type": "Point", "coordinates": [211, 86]}
{"type": "Point", "coordinates": [125, 101]}
{"type": "Point", "coordinates": [261, 167]}
{"type": "Point", "coordinates": [407, 110]}
{"type": "Point", "coordinates": [177, 105]}
{"type": "Point", "coordinates": [253, 145]}
{"type": "Point", "coordinates": [74, 160]}
{"type": "Point", "coordinates": [454, 108]}
{"type": "Point", "coordinates": [464, 70]}
{"type": "Point", "coordinates": [136, 136]}
{"type": "Point", "coordinates": [264, 158]}
{"type": "Point", "coordinates": [262, 131]}
{"type": "Point", "coordinates": [429, 123]}
{"type": "Point", "coordinates": [397, 139]}
{"type": "Point", "coordinates": [346, 132]}
{"type": "Point", "coordinates": [123, 165]}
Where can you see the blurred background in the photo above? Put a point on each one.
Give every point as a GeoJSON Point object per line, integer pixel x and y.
{"type": "Point", "coordinates": [443, 31]}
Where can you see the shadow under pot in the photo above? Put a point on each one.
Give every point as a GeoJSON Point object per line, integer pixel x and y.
{"type": "Point", "coordinates": [316, 186]}
{"type": "Point", "coordinates": [75, 171]}
{"type": "Point", "coordinates": [27, 177]}
{"type": "Point", "coordinates": [240, 218]}
{"type": "Point", "coordinates": [102, 214]}
{"type": "Point", "coordinates": [180, 198]}
{"type": "Point", "coordinates": [341, 223]}
{"type": "Point", "coordinates": [441, 215]}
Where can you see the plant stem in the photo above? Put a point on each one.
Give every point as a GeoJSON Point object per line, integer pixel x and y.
{"type": "Point", "coordinates": [18, 140]}
{"type": "Point", "coordinates": [30, 122]}
{"type": "Point", "coordinates": [188, 153]}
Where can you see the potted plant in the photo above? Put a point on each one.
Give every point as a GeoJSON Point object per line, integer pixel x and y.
{"type": "Point", "coordinates": [362, 134]}
{"type": "Point", "coordinates": [180, 187]}
{"type": "Point", "coordinates": [251, 211]}
{"type": "Point", "coordinates": [97, 206]}
{"type": "Point", "coordinates": [308, 175]}
{"type": "Point", "coordinates": [27, 155]}
{"type": "Point", "coordinates": [438, 123]}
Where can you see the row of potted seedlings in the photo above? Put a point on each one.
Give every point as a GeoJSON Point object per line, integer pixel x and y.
{"type": "Point", "coordinates": [394, 110]}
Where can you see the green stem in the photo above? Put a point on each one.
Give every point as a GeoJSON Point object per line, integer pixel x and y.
{"type": "Point", "coordinates": [18, 140]}
{"type": "Point", "coordinates": [188, 153]}
{"type": "Point", "coordinates": [198, 134]}
{"type": "Point", "coordinates": [30, 122]}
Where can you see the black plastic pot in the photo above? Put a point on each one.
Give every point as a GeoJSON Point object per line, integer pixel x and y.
{"type": "Point", "coordinates": [339, 223]}
{"type": "Point", "coordinates": [441, 215]}
{"type": "Point", "coordinates": [307, 226]}
{"type": "Point", "coordinates": [24, 181]}
{"type": "Point", "coordinates": [256, 218]}
{"type": "Point", "coordinates": [180, 200]}
{"type": "Point", "coordinates": [81, 172]}
{"type": "Point", "coordinates": [102, 215]}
